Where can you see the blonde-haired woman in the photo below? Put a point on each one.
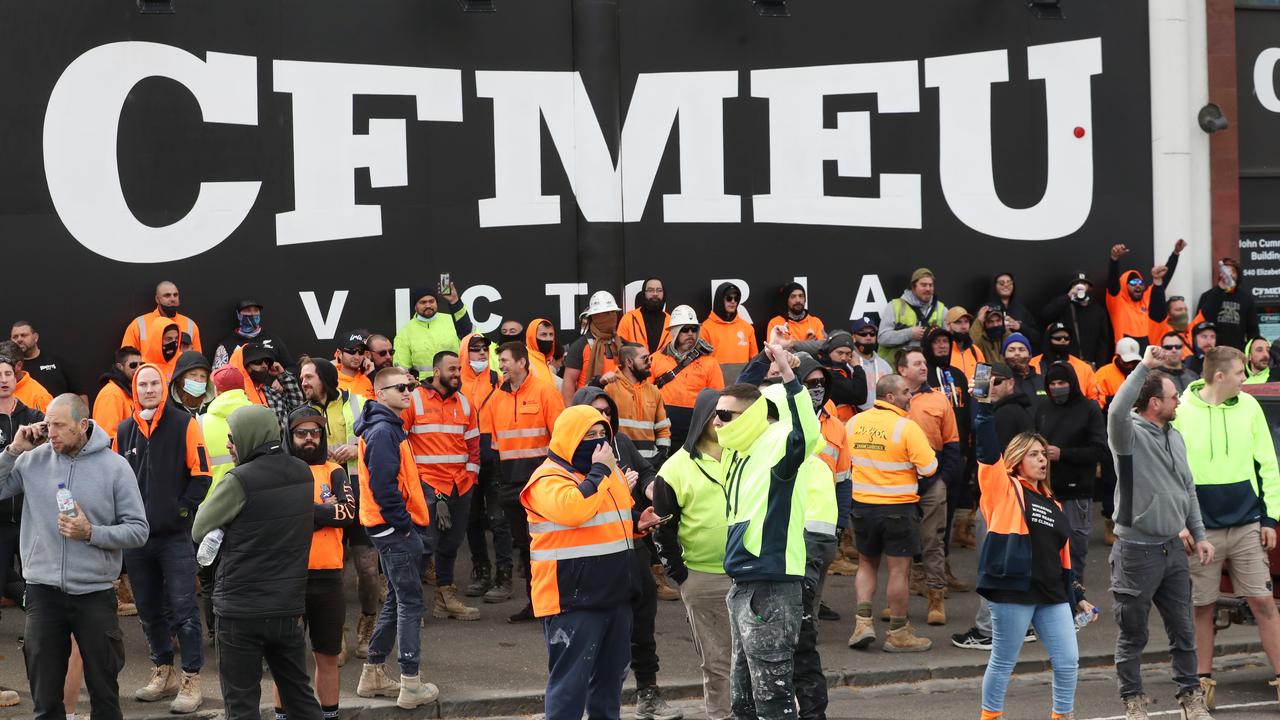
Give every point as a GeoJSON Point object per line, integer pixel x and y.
{"type": "Point", "coordinates": [1024, 570]}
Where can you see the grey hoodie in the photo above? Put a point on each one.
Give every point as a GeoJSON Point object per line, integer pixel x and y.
{"type": "Point", "coordinates": [1155, 493]}
{"type": "Point", "coordinates": [104, 485]}
{"type": "Point", "coordinates": [891, 336]}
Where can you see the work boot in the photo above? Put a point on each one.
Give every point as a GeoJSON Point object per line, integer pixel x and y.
{"type": "Point", "coordinates": [651, 706]}
{"type": "Point", "coordinates": [429, 575]}
{"type": "Point", "coordinates": [501, 589]}
{"type": "Point", "coordinates": [1194, 705]}
{"type": "Point", "coordinates": [364, 631]}
{"type": "Point", "coordinates": [189, 695]}
{"type": "Point", "coordinates": [525, 615]}
{"type": "Point", "coordinates": [374, 682]}
{"type": "Point", "coordinates": [449, 606]}
{"type": "Point", "coordinates": [1065, 716]}
{"type": "Point", "coordinates": [1109, 533]}
{"type": "Point", "coordinates": [955, 583]}
{"type": "Point", "coordinates": [8, 698]}
{"type": "Point", "coordinates": [414, 692]}
{"type": "Point", "coordinates": [1273, 683]}
{"type": "Point", "coordinates": [480, 581]}
{"type": "Point", "coordinates": [937, 607]}
{"type": "Point", "coordinates": [665, 591]}
{"type": "Point", "coordinates": [864, 632]}
{"type": "Point", "coordinates": [915, 585]}
{"type": "Point", "coordinates": [904, 640]}
{"type": "Point", "coordinates": [1209, 688]}
{"type": "Point", "coordinates": [125, 606]}
{"type": "Point", "coordinates": [842, 566]}
{"type": "Point", "coordinates": [826, 613]}
{"type": "Point", "coordinates": [962, 532]}
{"type": "Point", "coordinates": [163, 684]}
{"type": "Point", "coordinates": [1135, 708]}
{"type": "Point", "coordinates": [342, 654]}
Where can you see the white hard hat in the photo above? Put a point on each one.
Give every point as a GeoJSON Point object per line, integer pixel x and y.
{"type": "Point", "coordinates": [683, 315]}
{"type": "Point", "coordinates": [1128, 350]}
{"type": "Point", "coordinates": [601, 302]}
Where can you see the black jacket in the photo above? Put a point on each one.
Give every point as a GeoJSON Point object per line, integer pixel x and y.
{"type": "Point", "coordinates": [1232, 314]}
{"type": "Point", "coordinates": [1090, 328]}
{"type": "Point", "coordinates": [1016, 310]}
{"type": "Point", "coordinates": [222, 353]}
{"type": "Point", "coordinates": [847, 385]}
{"type": "Point", "coordinates": [171, 487]}
{"type": "Point", "coordinates": [1077, 428]}
{"type": "Point", "coordinates": [1014, 414]}
{"type": "Point", "coordinates": [11, 508]}
{"type": "Point", "coordinates": [952, 382]}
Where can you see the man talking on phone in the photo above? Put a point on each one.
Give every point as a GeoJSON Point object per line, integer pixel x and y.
{"type": "Point", "coordinates": [70, 558]}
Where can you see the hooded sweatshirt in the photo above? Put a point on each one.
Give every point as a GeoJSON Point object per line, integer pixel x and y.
{"type": "Point", "coordinates": [691, 486]}
{"type": "Point", "coordinates": [848, 388]}
{"type": "Point", "coordinates": [1090, 328]}
{"type": "Point", "coordinates": [900, 316]}
{"type": "Point", "coordinates": [801, 327]}
{"type": "Point", "coordinates": [733, 339]}
{"type": "Point", "coordinates": [762, 461]}
{"type": "Point", "coordinates": [188, 361]}
{"type": "Point", "coordinates": [153, 347]}
{"type": "Point", "coordinates": [168, 456]}
{"type": "Point", "coordinates": [479, 388]}
{"type": "Point", "coordinates": [419, 339]}
{"type": "Point", "coordinates": [1261, 376]}
{"type": "Point", "coordinates": [1232, 458]}
{"type": "Point", "coordinates": [388, 471]}
{"type": "Point", "coordinates": [538, 364]}
{"type": "Point", "coordinates": [114, 402]}
{"type": "Point", "coordinates": [104, 486]}
{"type": "Point", "coordinates": [1129, 317]}
{"type": "Point", "coordinates": [1029, 325]}
{"type": "Point", "coordinates": [646, 327]}
{"type": "Point", "coordinates": [949, 380]}
{"type": "Point", "coordinates": [1013, 414]}
{"type": "Point", "coordinates": [1155, 494]}
{"type": "Point", "coordinates": [624, 449]}
{"type": "Point", "coordinates": [1076, 427]}
{"type": "Point", "coordinates": [11, 509]}
{"type": "Point", "coordinates": [1233, 314]}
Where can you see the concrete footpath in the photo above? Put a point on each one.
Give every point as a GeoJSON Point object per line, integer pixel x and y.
{"type": "Point", "coordinates": [489, 667]}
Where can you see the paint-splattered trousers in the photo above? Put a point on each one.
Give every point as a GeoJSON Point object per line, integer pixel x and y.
{"type": "Point", "coordinates": [764, 621]}
{"type": "Point", "coordinates": [588, 652]}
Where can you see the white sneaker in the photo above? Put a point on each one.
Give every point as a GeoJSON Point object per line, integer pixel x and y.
{"type": "Point", "coordinates": [414, 692]}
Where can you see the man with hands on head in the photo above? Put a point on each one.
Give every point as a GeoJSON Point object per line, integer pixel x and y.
{"type": "Point", "coordinates": [1156, 515]}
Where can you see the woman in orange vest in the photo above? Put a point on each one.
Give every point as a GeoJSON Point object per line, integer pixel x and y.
{"type": "Point", "coordinates": [1024, 570]}
{"type": "Point", "coordinates": [582, 542]}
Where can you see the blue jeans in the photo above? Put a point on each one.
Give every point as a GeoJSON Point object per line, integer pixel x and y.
{"type": "Point", "coordinates": [1055, 627]}
{"type": "Point", "coordinates": [587, 656]}
{"type": "Point", "coordinates": [163, 575]}
{"type": "Point", "coordinates": [401, 616]}
{"type": "Point", "coordinates": [444, 545]}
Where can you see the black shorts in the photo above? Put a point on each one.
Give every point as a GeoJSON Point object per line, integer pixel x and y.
{"type": "Point", "coordinates": [892, 530]}
{"type": "Point", "coordinates": [326, 611]}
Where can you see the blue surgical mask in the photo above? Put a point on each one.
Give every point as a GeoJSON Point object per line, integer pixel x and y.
{"type": "Point", "coordinates": [249, 323]}
{"type": "Point", "coordinates": [194, 388]}
{"type": "Point", "coordinates": [582, 455]}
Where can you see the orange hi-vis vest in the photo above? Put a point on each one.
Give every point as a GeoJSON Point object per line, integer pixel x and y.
{"type": "Point", "coordinates": [326, 542]}
{"type": "Point", "coordinates": [410, 489]}
{"type": "Point", "coordinates": [578, 536]}
{"type": "Point", "coordinates": [800, 329]}
{"type": "Point", "coordinates": [444, 434]}
{"type": "Point", "coordinates": [522, 422]}
{"type": "Point", "coordinates": [835, 448]}
{"type": "Point", "coordinates": [967, 360]}
{"type": "Point", "coordinates": [631, 328]}
{"type": "Point", "coordinates": [698, 375]}
{"type": "Point", "coordinates": [888, 454]}
{"type": "Point", "coordinates": [642, 415]}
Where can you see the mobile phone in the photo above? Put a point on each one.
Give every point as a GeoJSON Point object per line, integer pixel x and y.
{"type": "Point", "coordinates": [664, 520]}
{"type": "Point", "coordinates": [981, 389]}
{"type": "Point", "coordinates": [445, 283]}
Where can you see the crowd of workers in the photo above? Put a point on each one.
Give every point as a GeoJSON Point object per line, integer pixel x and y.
{"type": "Point", "coordinates": [656, 456]}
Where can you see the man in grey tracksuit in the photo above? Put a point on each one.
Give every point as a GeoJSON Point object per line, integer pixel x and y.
{"type": "Point", "coordinates": [1157, 524]}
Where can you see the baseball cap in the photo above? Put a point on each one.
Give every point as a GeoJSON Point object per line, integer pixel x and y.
{"type": "Point", "coordinates": [1056, 327]}
{"type": "Point", "coordinates": [861, 324]}
{"type": "Point", "coordinates": [1202, 326]}
{"type": "Point", "coordinates": [248, 304]}
{"type": "Point", "coordinates": [1128, 351]}
{"type": "Point", "coordinates": [228, 378]}
{"type": "Point", "coordinates": [956, 313]}
{"type": "Point", "coordinates": [1001, 370]}
{"type": "Point", "coordinates": [257, 352]}
{"type": "Point", "coordinates": [357, 338]}
{"type": "Point", "coordinates": [1080, 277]}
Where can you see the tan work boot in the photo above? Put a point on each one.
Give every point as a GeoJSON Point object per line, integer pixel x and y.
{"type": "Point", "coordinates": [962, 534]}
{"type": "Point", "coordinates": [414, 692]}
{"type": "Point", "coordinates": [125, 606]}
{"type": "Point", "coordinates": [8, 698]}
{"type": "Point", "coordinates": [937, 607]}
{"type": "Point", "coordinates": [864, 632]}
{"type": "Point", "coordinates": [189, 695]}
{"type": "Point", "coordinates": [429, 575]}
{"type": "Point", "coordinates": [842, 566]}
{"type": "Point", "coordinates": [163, 684]}
{"type": "Point", "coordinates": [1194, 706]}
{"type": "Point", "coordinates": [1135, 708]}
{"type": "Point", "coordinates": [915, 585]}
{"type": "Point", "coordinates": [449, 606]}
{"type": "Point", "coordinates": [904, 640]}
{"type": "Point", "coordinates": [342, 654]}
{"type": "Point", "coordinates": [364, 631]}
{"type": "Point", "coordinates": [374, 682]}
{"type": "Point", "coordinates": [665, 591]}
{"type": "Point", "coordinates": [1209, 688]}
{"type": "Point", "coordinates": [955, 583]}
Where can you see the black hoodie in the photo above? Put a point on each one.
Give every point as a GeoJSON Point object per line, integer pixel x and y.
{"type": "Point", "coordinates": [951, 381]}
{"type": "Point", "coordinates": [1090, 326]}
{"type": "Point", "coordinates": [667, 538]}
{"type": "Point", "coordinates": [629, 457]}
{"type": "Point", "coordinates": [188, 361]}
{"type": "Point", "coordinates": [1030, 326]}
{"type": "Point", "coordinates": [1077, 428]}
{"type": "Point", "coordinates": [717, 300]}
{"type": "Point", "coordinates": [11, 508]}
{"type": "Point", "coordinates": [848, 383]}
{"type": "Point", "coordinates": [1014, 414]}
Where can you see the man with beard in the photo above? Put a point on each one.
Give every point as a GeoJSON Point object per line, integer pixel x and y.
{"type": "Point", "coordinates": [48, 369]}
{"type": "Point", "coordinates": [350, 358]}
{"type": "Point", "coordinates": [268, 383]}
{"type": "Point", "coordinates": [444, 435]}
{"type": "Point", "coordinates": [595, 353]}
{"type": "Point", "coordinates": [380, 352]}
{"type": "Point", "coordinates": [952, 382]}
{"type": "Point", "coordinates": [167, 304]}
{"type": "Point", "coordinates": [334, 509]}
{"type": "Point", "coordinates": [1128, 299]}
{"type": "Point", "coordinates": [642, 414]}
{"type": "Point", "coordinates": [681, 369]}
{"type": "Point", "coordinates": [1257, 365]}
{"type": "Point", "coordinates": [1077, 309]}
{"type": "Point", "coordinates": [439, 322]}
{"type": "Point", "coordinates": [1231, 311]}
{"type": "Point", "coordinates": [965, 353]}
{"type": "Point", "coordinates": [648, 324]}
{"type": "Point", "coordinates": [1170, 362]}
{"type": "Point", "coordinates": [1057, 348]}
{"type": "Point", "coordinates": [866, 358]}
{"type": "Point", "coordinates": [1017, 355]}
{"type": "Point", "coordinates": [249, 330]}
{"type": "Point", "coordinates": [1204, 338]}
{"type": "Point", "coordinates": [801, 324]}
{"type": "Point", "coordinates": [905, 320]}
{"type": "Point", "coordinates": [732, 338]}
{"type": "Point", "coordinates": [115, 398]}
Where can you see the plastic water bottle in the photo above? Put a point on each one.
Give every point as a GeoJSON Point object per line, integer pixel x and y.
{"type": "Point", "coordinates": [208, 551]}
{"type": "Point", "coordinates": [325, 492]}
{"type": "Point", "coordinates": [1085, 617]}
{"type": "Point", "coordinates": [66, 505]}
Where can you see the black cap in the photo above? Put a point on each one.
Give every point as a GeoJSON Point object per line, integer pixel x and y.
{"type": "Point", "coordinates": [1080, 277]}
{"type": "Point", "coordinates": [357, 338]}
{"type": "Point", "coordinates": [1001, 370]}
{"type": "Point", "coordinates": [248, 304]}
{"type": "Point", "coordinates": [257, 352]}
{"type": "Point", "coordinates": [1055, 327]}
{"type": "Point", "coordinates": [1202, 326]}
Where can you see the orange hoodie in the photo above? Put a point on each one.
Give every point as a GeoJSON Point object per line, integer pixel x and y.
{"type": "Point", "coordinates": [111, 407]}
{"type": "Point", "coordinates": [31, 393]}
{"type": "Point", "coordinates": [250, 390]}
{"type": "Point", "coordinates": [478, 387]}
{"type": "Point", "coordinates": [537, 360]}
{"type": "Point", "coordinates": [732, 342]}
{"type": "Point", "coordinates": [153, 347]}
{"type": "Point", "coordinates": [1129, 317]}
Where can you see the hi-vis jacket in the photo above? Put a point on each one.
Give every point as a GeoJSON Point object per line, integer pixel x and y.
{"type": "Point", "coordinates": [139, 330]}
{"type": "Point", "coordinates": [216, 431]}
{"type": "Point", "coordinates": [834, 450]}
{"type": "Point", "coordinates": [330, 518]}
{"type": "Point", "coordinates": [820, 509]}
{"type": "Point", "coordinates": [762, 462]}
{"type": "Point", "coordinates": [631, 328]}
{"type": "Point", "coordinates": [889, 453]}
{"type": "Point", "coordinates": [444, 434]}
{"type": "Point", "coordinates": [522, 423]}
{"type": "Point", "coordinates": [580, 526]}
{"type": "Point", "coordinates": [390, 491]}
{"type": "Point", "coordinates": [642, 415]}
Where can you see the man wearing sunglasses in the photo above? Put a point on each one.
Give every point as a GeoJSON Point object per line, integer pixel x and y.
{"type": "Point", "coordinates": [115, 400]}
{"type": "Point", "coordinates": [1129, 296]}
{"type": "Point", "coordinates": [732, 338]}
{"type": "Point", "coordinates": [1175, 348]}
{"type": "Point", "coordinates": [381, 353]}
{"type": "Point", "coordinates": [352, 360]}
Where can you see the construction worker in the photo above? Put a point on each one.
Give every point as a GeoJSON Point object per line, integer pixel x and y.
{"type": "Point", "coordinates": [642, 414]}
{"type": "Point", "coordinates": [167, 303]}
{"type": "Point", "coordinates": [1111, 376]}
{"type": "Point", "coordinates": [267, 382]}
{"type": "Point", "coordinates": [351, 358]}
{"type": "Point", "coordinates": [381, 353]}
{"type": "Point", "coordinates": [394, 513]}
{"type": "Point", "coordinates": [48, 369]}
{"type": "Point", "coordinates": [1257, 361]}
{"type": "Point", "coordinates": [27, 389]}
{"type": "Point", "coordinates": [248, 330]}
{"type": "Point", "coordinates": [834, 451]}
{"type": "Point", "coordinates": [334, 511]}
{"type": "Point", "coordinates": [523, 412]}
{"type": "Point", "coordinates": [965, 353]}
{"type": "Point", "coordinates": [580, 520]}
{"type": "Point", "coordinates": [595, 353]}
{"type": "Point", "coordinates": [890, 454]}
{"type": "Point", "coordinates": [439, 321]}
{"type": "Point", "coordinates": [1057, 348]}
{"type": "Point", "coordinates": [682, 368]}
{"type": "Point", "coordinates": [648, 324]}
{"type": "Point", "coordinates": [444, 434]}
{"type": "Point", "coordinates": [731, 336]}
{"type": "Point", "coordinates": [866, 356]}
{"type": "Point", "coordinates": [800, 323]}
{"type": "Point", "coordinates": [540, 340]}
{"type": "Point", "coordinates": [114, 402]}
{"type": "Point", "coordinates": [479, 383]}
{"type": "Point", "coordinates": [906, 319]}
{"type": "Point", "coordinates": [1129, 297]}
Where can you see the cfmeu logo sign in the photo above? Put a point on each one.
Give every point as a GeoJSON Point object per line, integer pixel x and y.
{"type": "Point", "coordinates": [81, 161]}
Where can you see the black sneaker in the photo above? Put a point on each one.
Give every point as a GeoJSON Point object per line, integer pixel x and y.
{"type": "Point", "coordinates": [525, 615]}
{"type": "Point", "coordinates": [971, 640]}
{"type": "Point", "coordinates": [826, 613]}
{"type": "Point", "coordinates": [1031, 635]}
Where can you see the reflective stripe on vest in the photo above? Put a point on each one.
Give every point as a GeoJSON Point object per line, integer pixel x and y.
{"type": "Point", "coordinates": [523, 454]}
{"type": "Point", "coordinates": [439, 459]}
{"type": "Point", "coordinates": [831, 452]}
{"type": "Point", "coordinates": [911, 489]}
{"type": "Point", "coordinates": [897, 429]}
{"type": "Point", "coordinates": [843, 476]}
{"type": "Point", "coordinates": [820, 527]}
{"type": "Point", "coordinates": [220, 460]}
{"type": "Point", "coordinates": [601, 518]}
{"type": "Point", "coordinates": [521, 433]}
{"type": "Point", "coordinates": [882, 464]}
{"type": "Point", "coordinates": [473, 468]}
{"type": "Point", "coordinates": [438, 428]}
{"type": "Point", "coordinates": [581, 551]}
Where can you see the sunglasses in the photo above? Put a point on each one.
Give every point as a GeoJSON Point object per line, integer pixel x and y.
{"type": "Point", "coordinates": [1177, 347]}
{"type": "Point", "coordinates": [1060, 339]}
{"type": "Point", "coordinates": [688, 329]}
{"type": "Point", "coordinates": [867, 334]}
{"type": "Point", "coordinates": [1175, 298]}
{"type": "Point", "coordinates": [401, 387]}
{"type": "Point", "coordinates": [811, 384]}
{"type": "Point", "coordinates": [382, 353]}
{"type": "Point", "coordinates": [354, 351]}
{"type": "Point", "coordinates": [133, 365]}
{"type": "Point", "coordinates": [307, 433]}
{"type": "Point", "coordinates": [727, 415]}
{"type": "Point", "coordinates": [733, 298]}
{"type": "Point", "coordinates": [1135, 282]}
{"type": "Point", "coordinates": [999, 380]}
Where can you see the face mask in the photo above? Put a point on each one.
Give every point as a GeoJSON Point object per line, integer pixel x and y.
{"type": "Point", "coordinates": [169, 349]}
{"type": "Point", "coordinates": [546, 346]}
{"type": "Point", "coordinates": [1080, 297]}
{"type": "Point", "coordinates": [867, 348]}
{"type": "Point", "coordinates": [1058, 350]}
{"type": "Point", "coordinates": [582, 454]}
{"type": "Point", "coordinates": [479, 365]}
{"type": "Point", "coordinates": [194, 388]}
{"type": "Point", "coordinates": [817, 395]}
{"type": "Point", "coordinates": [260, 377]}
{"type": "Point", "coordinates": [147, 414]}
{"type": "Point", "coordinates": [994, 333]}
{"type": "Point", "coordinates": [1060, 394]}
{"type": "Point", "coordinates": [640, 374]}
{"type": "Point", "coordinates": [1178, 321]}
{"type": "Point", "coordinates": [169, 311]}
{"type": "Point", "coordinates": [249, 323]}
